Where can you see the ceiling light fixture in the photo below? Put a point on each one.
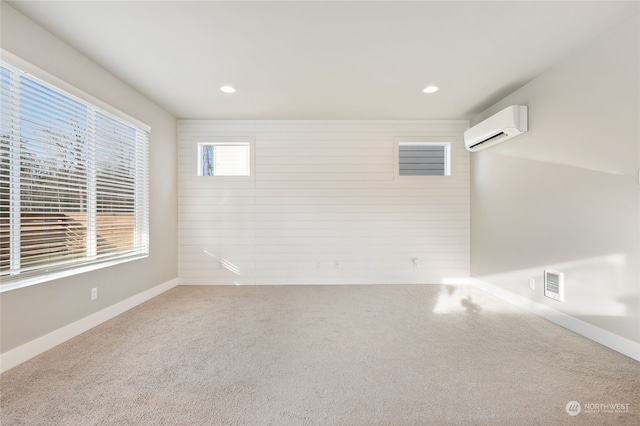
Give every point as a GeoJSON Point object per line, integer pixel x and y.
{"type": "Point", "coordinates": [228, 89]}
{"type": "Point", "coordinates": [431, 89]}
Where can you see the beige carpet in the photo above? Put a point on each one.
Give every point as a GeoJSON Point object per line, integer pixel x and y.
{"type": "Point", "coordinates": [334, 355]}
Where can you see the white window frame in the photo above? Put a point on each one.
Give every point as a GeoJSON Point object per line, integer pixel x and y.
{"type": "Point", "coordinates": [142, 188]}
{"type": "Point", "coordinates": [448, 142]}
{"type": "Point", "coordinates": [225, 141]}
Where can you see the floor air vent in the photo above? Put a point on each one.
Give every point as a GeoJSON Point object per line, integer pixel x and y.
{"type": "Point", "coordinates": [554, 285]}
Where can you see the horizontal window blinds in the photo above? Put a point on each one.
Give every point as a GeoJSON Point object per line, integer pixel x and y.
{"type": "Point", "coordinates": [73, 181]}
{"type": "Point", "coordinates": [423, 159]}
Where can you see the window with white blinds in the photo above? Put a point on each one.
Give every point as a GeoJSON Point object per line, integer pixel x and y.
{"type": "Point", "coordinates": [73, 182]}
{"type": "Point", "coordinates": [224, 159]}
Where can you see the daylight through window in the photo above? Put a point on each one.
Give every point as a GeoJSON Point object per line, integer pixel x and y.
{"type": "Point", "coordinates": [73, 182]}
{"type": "Point", "coordinates": [224, 159]}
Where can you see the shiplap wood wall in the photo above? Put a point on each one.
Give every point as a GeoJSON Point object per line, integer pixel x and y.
{"type": "Point", "coordinates": [324, 206]}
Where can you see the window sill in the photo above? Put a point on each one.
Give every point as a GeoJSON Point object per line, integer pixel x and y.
{"type": "Point", "coordinates": [26, 282]}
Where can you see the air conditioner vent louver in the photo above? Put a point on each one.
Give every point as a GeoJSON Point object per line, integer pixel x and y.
{"type": "Point", "coordinates": [489, 139]}
{"type": "Point", "coordinates": [554, 285]}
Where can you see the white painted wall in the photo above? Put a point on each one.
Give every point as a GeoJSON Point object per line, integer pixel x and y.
{"type": "Point", "coordinates": [32, 312]}
{"type": "Point", "coordinates": [566, 195]}
{"type": "Point", "coordinates": [324, 207]}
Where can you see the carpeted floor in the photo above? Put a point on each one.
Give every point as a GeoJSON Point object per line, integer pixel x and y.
{"type": "Point", "coordinates": [316, 355]}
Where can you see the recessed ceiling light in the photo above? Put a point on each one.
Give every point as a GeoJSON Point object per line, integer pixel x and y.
{"type": "Point", "coordinates": [228, 89]}
{"type": "Point", "coordinates": [431, 89]}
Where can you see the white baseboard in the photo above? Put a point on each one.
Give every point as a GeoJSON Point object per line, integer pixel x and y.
{"type": "Point", "coordinates": [42, 344]}
{"type": "Point", "coordinates": [613, 341]}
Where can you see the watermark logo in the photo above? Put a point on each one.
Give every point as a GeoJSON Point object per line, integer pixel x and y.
{"type": "Point", "coordinates": [573, 408]}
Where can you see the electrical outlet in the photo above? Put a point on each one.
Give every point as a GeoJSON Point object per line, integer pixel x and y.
{"type": "Point", "coordinates": [532, 283]}
{"type": "Point", "coordinates": [94, 293]}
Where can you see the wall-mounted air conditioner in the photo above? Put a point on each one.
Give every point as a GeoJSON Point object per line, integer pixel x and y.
{"type": "Point", "coordinates": [506, 124]}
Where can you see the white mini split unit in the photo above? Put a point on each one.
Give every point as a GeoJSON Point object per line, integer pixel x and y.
{"type": "Point", "coordinates": [506, 124]}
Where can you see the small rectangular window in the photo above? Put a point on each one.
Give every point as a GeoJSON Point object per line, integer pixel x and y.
{"type": "Point", "coordinates": [424, 159]}
{"type": "Point", "coordinates": [224, 159]}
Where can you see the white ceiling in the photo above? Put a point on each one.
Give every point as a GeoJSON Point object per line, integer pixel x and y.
{"type": "Point", "coordinates": [327, 60]}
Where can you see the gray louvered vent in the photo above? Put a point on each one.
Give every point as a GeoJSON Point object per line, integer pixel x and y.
{"type": "Point", "coordinates": [421, 159]}
{"type": "Point", "coordinates": [554, 285]}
